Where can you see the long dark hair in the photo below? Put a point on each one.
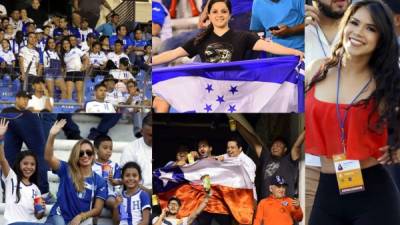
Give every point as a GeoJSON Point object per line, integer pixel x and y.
{"type": "Point", "coordinates": [17, 170]}
{"type": "Point", "coordinates": [63, 52]}
{"type": "Point", "coordinates": [204, 34]}
{"type": "Point", "coordinates": [384, 62]}
{"type": "Point", "coordinates": [46, 48]}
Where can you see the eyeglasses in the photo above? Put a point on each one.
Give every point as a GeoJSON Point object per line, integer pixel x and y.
{"type": "Point", "coordinates": [88, 153]}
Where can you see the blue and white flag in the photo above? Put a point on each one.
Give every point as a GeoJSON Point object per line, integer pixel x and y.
{"type": "Point", "coordinates": [266, 85]}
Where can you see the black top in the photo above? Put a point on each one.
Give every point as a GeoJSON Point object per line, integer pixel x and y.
{"type": "Point", "coordinates": [231, 46]}
{"type": "Point", "coordinates": [272, 166]}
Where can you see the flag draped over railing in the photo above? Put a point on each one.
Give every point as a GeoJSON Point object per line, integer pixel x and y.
{"type": "Point", "coordinates": [262, 85]}
{"type": "Point", "coordinates": [231, 188]}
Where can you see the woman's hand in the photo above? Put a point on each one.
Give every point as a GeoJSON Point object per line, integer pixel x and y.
{"type": "Point", "coordinates": [58, 125]}
{"type": "Point", "coordinates": [389, 157]}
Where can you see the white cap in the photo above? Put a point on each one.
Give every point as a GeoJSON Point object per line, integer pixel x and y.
{"type": "Point", "coordinates": [38, 30]}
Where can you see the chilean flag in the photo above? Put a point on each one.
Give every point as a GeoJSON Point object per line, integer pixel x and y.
{"type": "Point", "coordinates": [232, 189]}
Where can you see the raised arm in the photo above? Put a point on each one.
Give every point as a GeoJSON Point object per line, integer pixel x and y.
{"type": "Point", "coordinates": [53, 162]}
{"type": "Point", "coordinates": [295, 153]}
{"type": "Point", "coordinates": [250, 139]}
{"type": "Point", "coordinates": [274, 48]}
{"type": "Point", "coordinates": [201, 207]}
{"type": "Point", "coordinates": [169, 56]}
{"type": "Point", "coordinates": [5, 167]}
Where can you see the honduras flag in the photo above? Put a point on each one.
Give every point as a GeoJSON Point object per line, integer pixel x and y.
{"type": "Point", "coordinates": [264, 85]}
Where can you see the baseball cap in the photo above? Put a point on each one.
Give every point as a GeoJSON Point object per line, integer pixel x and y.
{"type": "Point", "coordinates": [23, 94]}
{"type": "Point", "coordinates": [38, 30]}
{"type": "Point", "coordinates": [278, 180]}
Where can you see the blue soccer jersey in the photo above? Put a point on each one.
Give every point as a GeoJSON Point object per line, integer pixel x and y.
{"type": "Point", "coordinates": [132, 207]}
{"type": "Point", "coordinates": [114, 168]}
{"type": "Point", "coordinates": [70, 202]}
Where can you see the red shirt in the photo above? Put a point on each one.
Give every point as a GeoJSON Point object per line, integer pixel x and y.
{"type": "Point", "coordinates": [362, 140]}
{"type": "Point", "coordinates": [277, 211]}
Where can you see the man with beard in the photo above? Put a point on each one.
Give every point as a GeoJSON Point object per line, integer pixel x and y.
{"type": "Point", "coordinates": [168, 215]}
{"type": "Point", "coordinates": [322, 22]}
{"type": "Point", "coordinates": [321, 32]}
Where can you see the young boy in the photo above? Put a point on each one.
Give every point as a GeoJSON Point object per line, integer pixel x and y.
{"type": "Point", "coordinates": [104, 167]}
{"type": "Point", "coordinates": [277, 209]}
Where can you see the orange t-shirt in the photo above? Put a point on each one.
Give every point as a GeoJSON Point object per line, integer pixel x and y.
{"type": "Point", "coordinates": [274, 211]}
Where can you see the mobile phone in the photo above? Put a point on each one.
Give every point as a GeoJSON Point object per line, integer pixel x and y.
{"type": "Point", "coordinates": [273, 28]}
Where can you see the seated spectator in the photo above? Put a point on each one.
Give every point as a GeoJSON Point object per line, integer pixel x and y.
{"type": "Point", "coordinates": [84, 30]}
{"type": "Point", "coordinates": [133, 96]}
{"type": "Point", "coordinates": [40, 101]}
{"type": "Point", "coordinates": [99, 105]}
{"type": "Point", "coordinates": [87, 45]}
{"type": "Point", "coordinates": [117, 54]}
{"type": "Point", "coordinates": [21, 103]}
{"type": "Point", "coordinates": [105, 44]}
{"type": "Point", "coordinates": [58, 31]}
{"type": "Point", "coordinates": [15, 19]}
{"type": "Point", "coordinates": [9, 33]}
{"type": "Point", "coordinates": [109, 29]}
{"type": "Point", "coordinates": [144, 61]}
{"type": "Point", "coordinates": [277, 208]}
{"type": "Point", "coordinates": [113, 95]}
{"type": "Point", "coordinates": [97, 59]}
{"type": "Point", "coordinates": [24, 20]}
{"type": "Point", "coordinates": [4, 22]}
{"type": "Point", "coordinates": [123, 37]}
{"type": "Point", "coordinates": [139, 43]}
{"type": "Point", "coordinates": [122, 74]}
{"type": "Point", "coordinates": [7, 54]}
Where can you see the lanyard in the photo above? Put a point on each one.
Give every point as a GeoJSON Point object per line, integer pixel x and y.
{"type": "Point", "coordinates": [320, 42]}
{"type": "Point", "coordinates": [339, 117]}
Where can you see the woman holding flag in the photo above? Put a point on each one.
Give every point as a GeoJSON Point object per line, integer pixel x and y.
{"type": "Point", "coordinates": [219, 43]}
{"type": "Point", "coordinates": [352, 120]}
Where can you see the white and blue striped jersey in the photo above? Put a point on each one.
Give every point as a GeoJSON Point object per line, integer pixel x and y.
{"type": "Point", "coordinates": [132, 207]}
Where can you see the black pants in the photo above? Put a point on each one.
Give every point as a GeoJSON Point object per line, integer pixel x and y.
{"type": "Point", "coordinates": [379, 204]}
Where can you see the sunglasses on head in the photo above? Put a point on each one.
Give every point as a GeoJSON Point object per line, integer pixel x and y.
{"type": "Point", "coordinates": [87, 152]}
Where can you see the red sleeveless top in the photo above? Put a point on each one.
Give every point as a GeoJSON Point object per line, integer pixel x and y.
{"type": "Point", "coordinates": [323, 130]}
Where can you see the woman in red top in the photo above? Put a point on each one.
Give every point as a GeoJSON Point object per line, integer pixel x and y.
{"type": "Point", "coordinates": [350, 103]}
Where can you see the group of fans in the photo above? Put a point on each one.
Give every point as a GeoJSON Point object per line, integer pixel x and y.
{"type": "Point", "coordinates": [89, 179]}
{"type": "Point", "coordinates": [70, 61]}
{"type": "Point", "coordinates": [274, 172]}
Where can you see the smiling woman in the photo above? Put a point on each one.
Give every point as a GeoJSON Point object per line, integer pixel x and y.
{"type": "Point", "coordinates": [231, 46]}
{"type": "Point", "coordinates": [81, 193]}
{"type": "Point", "coordinates": [358, 89]}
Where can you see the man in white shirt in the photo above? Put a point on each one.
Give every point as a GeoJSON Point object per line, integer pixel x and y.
{"type": "Point", "coordinates": [99, 105]}
{"type": "Point", "coordinates": [140, 151]}
{"type": "Point", "coordinates": [40, 102]}
{"type": "Point", "coordinates": [118, 53]}
{"type": "Point", "coordinates": [321, 36]}
{"type": "Point", "coordinates": [113, 95]}
{"type": "Point", "coordinates": [29, 61]}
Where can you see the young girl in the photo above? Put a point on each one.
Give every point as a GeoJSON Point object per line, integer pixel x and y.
{"type": "Point", "coordinates": [81, 193]}
{"type": "Point", "coordinates": [133, 207]}
{"type": "Point", "coordinates": [75, 62]}
{"type": "Point", "coordinates": [219, 43]}
{"type": "Point", "coordinates": [20, 185]}
{"type": "Point", "coordinates": [52, 69]}
{"type": "Point", "coordinates": [97, 59]}
{"type": "Point", "coordinates": [6, 67]}
{"type": "Point", "coordinates": [351, 101]}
